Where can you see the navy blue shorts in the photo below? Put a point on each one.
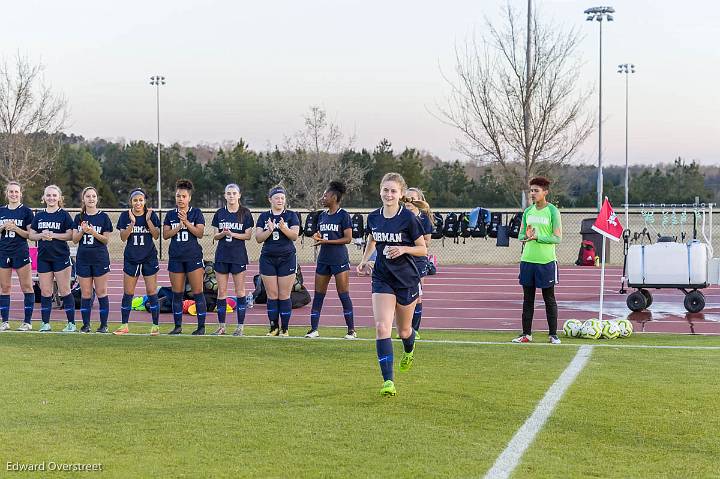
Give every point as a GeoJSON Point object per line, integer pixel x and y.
{"type": "Point", "coordinates": [403, 296]}
{"type": "Point", "coordinates": [422, 269]}
{"type": "Point", "coordinates": [14, 262]}
{"type": "Point", "coordinates": [91, 270]}
{"type": "Point", "coordinates": [539, 275]}
{"type": "Point", "coordinates": [325, 269]}
{"type": "Point", "coordinates": [53, 266]}
{"type": "Point", "coordinates": [175, 266]}
{"type": "Point", "coordinates": [148, 268]}
{"type": "Point", "coordinates": [278, 265]}
{"type": "Point", "coordinates": [230, 268]}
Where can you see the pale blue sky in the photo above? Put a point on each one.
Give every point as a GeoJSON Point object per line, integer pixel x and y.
{"type": "Point", "coordinates": [252, 69]}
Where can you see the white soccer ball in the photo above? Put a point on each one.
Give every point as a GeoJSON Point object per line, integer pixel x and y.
{"type": "Point", "coordinates": [591, 329]}
{"type": "Point", "coordinates": [610, 330]}
{"type": "Point", "coordinates": [626, 327]}
{"type": "Point", "coordinates": [572, 328]}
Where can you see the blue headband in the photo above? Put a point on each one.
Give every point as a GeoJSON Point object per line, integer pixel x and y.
{"type": "Point", "coordinates": [136, 192]}
{"type": "Point", "coordinates": [276, 190]}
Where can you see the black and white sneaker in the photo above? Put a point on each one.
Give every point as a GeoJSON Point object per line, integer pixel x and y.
{"type": "Point", "coordinates": [85, 328]}
{"type": "Point", "coordinates": [313, 333]}
{"type": "Point", "coordinates": [102, 329]}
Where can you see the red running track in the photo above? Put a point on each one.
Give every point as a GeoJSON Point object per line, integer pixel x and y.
{"type": "Point", "coordinates": [464, 297]}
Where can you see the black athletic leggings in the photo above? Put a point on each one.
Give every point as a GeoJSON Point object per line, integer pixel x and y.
{"type": "Point", "coordinates": [529, 308]}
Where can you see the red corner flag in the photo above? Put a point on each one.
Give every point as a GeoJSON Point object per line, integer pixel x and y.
{"type": "Point", "coordinates": [607, 222]}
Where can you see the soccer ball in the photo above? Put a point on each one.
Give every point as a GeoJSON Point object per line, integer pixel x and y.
{"type": "Point", "coordinates": [591, 329]}
{"type": "Point", "coordinates": [572, 328]}
{"type": "Point", "coordinates": [610, 330]}
{"type": "Point", "coordinates": [626, 327]}
{"type": "Point", "coordinates": [210, 283]}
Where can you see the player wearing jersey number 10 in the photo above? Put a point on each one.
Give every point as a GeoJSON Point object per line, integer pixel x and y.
{"type": "Point", "coordinates": [183, 226]}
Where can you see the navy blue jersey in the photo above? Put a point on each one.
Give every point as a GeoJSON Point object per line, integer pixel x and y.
{"type": "Point", "coordinates": [400, 230]}
{"type": "Point", "coordinates": [332, 227]}
{"type": "Point", "coordinates": [91, 251]}
{"type": "Point", "coordinates": [277, 244]}
{"type": "Point", "coordinates": [231, 250]}
{"type": "Point", "coordinates": [184, 246]}
{"type": "Point", "coordinates": [140, 246]}
{"type": "Point", "coordinates": [10, 242]}
{"type": "Point", "coordinates": [426, 226]}
{"type": "Point", "coordinates": [57, 222]}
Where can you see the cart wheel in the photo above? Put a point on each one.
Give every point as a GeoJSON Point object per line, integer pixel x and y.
{"type": "Point", "coordinates": [648, 297]}
{"type": "Point", "coordinates": [694, 301]}
{"type": "Point", "coordinates": [636, 301]}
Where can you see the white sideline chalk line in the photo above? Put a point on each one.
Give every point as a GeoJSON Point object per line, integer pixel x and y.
{"type": "Point", "coordinates": [509, 459]}
{"type": "Point", "coordinates": [423, 341]}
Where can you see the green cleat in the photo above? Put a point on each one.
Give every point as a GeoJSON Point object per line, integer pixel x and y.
{"type": "Point", "coordinates": [70, 328]}
{"type": "Point", "coordinates": [154, 330]}
{"type": "Point", "coordinates": [388, 389]}
{"type": "Point", "coordinates": [407, 360]}
{"type": "Point", "coordinates": [45, 328]}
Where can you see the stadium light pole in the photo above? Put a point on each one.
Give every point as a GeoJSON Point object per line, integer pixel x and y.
{"type": "Point", "coordinates": [627, 69]}
{"type": "Point", "coordinates": [156, 81]}
{"type": "Point", "coordinates": [599, 14]}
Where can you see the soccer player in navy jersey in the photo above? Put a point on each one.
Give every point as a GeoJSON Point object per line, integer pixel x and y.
{"type": "Point", "coordinates": [334, 232]}
{"type": "Point", "coordinates": [234, 224]}
{"type": "Point", "coordinates": [92, 233]}
{"type": "Point", "coordinates": [52, 228]}
{"type": "Point", "coordinates": [278, 229]}
{"type": "Point", "coordinates": [15, 219]}
{"type": "Point", "coordinates": [183, 226]}
{"type": "Point", "coordinates": [416, 194]}
{"type": "Point", "coordinates": [139, 227]}
{"type": "Point", "coordinates": [398, 237]}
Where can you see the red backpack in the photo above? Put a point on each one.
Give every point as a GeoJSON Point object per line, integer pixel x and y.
{"type": "Point", "coordinates": [586, 257]}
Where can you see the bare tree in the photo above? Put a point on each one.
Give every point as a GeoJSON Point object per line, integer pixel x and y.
{"type": "Point", "coordinates": [31, 118]}
{"type": "Point", "coordinates": [527, 118]}
{"type": "Point", "coordinates": [312, 158]}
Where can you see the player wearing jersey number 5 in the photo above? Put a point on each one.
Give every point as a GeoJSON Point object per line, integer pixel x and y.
{"type": "Point", "coordinates": [183, 226]}
{"type": "Point", "coordinates": [397, 235]}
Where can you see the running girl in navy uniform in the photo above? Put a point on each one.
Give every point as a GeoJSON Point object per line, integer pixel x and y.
{"type": "Point", "coordinates": [398, 237]}
{"type": "Point", "coordinates": [234, 225]}
{"type": "Point", "coordinates": [15, 219]}
{"type": "Point", "coordinates": [416, 194]}
{"type": "Point", "coordinates": [334, 232]}
{"type": "Point", "coordinates": [139, 227]}
{"type": "Point", "coordinates": [52, 228]}
{"type": "Point", "coordinates": [278, 229]}
{"type": "Point", "coordinates": [185, 225]}
{"type": "Point", "coordinates": [92, 232]}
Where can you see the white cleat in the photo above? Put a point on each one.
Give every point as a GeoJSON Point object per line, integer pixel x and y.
{"type": "Point", "coordinates": [312, 334]}
{"type": "Point", "coordinates": [25, 327]}
{"type": "Point", "coordinates": [350, 335]}
{"type": "Point", "coordinates": [4, 326]}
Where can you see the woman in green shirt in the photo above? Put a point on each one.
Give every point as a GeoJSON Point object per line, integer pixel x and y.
{"type": "Point", "coordinates": [540, 231]}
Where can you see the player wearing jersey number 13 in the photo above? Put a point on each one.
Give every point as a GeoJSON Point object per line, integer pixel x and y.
{"type": "Point", "coordinates": [397, 235]}
{"type": "Point", "coordinates": [183, 226]}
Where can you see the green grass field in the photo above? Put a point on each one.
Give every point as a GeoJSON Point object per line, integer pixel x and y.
{"type": "Point", "coordinates": [271, 407]}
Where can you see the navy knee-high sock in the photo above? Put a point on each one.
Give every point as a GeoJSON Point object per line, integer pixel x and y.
{"type": "Point", "coordinates": [316, 309]}
{"type": "Point", "coordinates": [201, 309]}
{"type": "Point", "coordinates": [409, 343]}
{"type": "Point", "coordinates": [29, 301]}
{"type": "Point", "coordinates": [417, 317]}
{"type": "Point", "coordinates": [69, 307]}
{"type": "Point", "coordinates": [85, 308]}
{"type": "Point", "coordinates": [177, 309]}
{"type": "Point", "coordinates": [154, 308]}
{"type": "Point", "coordinates": [45, 308]}
{"type": "Point", "coordinates": [221, 310]}
{"type": "Point", "coordinates": [273, 312]}
{"type": "Point", "coordinates": [126, 307]}
{"type": "Point", "coordinates": [4, 307]}
{"type": "Point", "coordinates": [241, 308]}
{"type": "Point", "coordinates": [384, 349]}
{"type": "Point", "coordinates": [347, 310]}
{"type": "Point", "coordinates": [285, 312]}
{"type": "Point", "coordinates": [104, 307]}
